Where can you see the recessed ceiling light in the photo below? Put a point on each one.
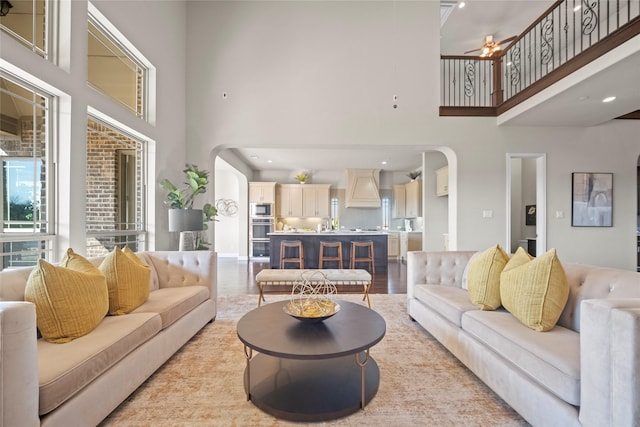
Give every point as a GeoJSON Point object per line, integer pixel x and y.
{"type": "Point", "coordinates": [461, 5]}
{"type": "Point", "coordinates": [269, 161]}
{"type": "Point", "coordinates": [609, 99]}
{"type": "Point", "coordinates": [253, 156]}
{"type": "Point", "coordinates": [384, 162]}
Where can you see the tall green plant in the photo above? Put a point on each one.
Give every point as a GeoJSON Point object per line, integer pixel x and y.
{"type": "Point", "coordinates": [183, 198]}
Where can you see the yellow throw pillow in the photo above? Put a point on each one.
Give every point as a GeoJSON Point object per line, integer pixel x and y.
{"type": "Point", "coordinates": [483, 281]}
{"type": "Point", "coordinates": [536, 291]}
{"type": "Point", "coordinates": [521, 257]}
{"type": "Point", "coordinates": [127, 281]}
{"type": "Point", "coordinates": [78, 263]}
{"type": "Point", "coordinates": [69, 303]}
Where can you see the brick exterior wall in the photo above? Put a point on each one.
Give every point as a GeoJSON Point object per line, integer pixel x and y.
{"type": "Point", "coordinates": [103, 148]}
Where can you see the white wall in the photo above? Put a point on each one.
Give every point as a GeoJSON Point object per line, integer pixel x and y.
{"type": "Point", "coordinates": [318, 73]}
{"type": "Point", "coordinates": [228, 229]}
{"type": "Point", "coordinates": [166, 51]}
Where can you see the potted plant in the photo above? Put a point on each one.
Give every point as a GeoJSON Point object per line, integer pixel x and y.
{"type": "Point", "coordinates": [182, 216]}
{"type": "Point", "coordinates": [302, 177]}
{"type": "Point", "coordinates": [414, 175]}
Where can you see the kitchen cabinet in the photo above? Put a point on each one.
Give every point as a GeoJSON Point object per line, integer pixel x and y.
{"type": "Point", "coordinates": [289, 200]}
{"type": "Point", "coordinates": [393, 245]}
{"type": "Point", "coordinates": [399, 201]}
{"type": "Point", "coordinates": [262, 192]}
{"type": "Point", "coordinates": [413, 202]}
{"type": "Point", "coordinates": [316, 201]}
{"type": "Point", "coordinates": [407, 200]}
{"type": "Point", "coordinates": [442, 181]}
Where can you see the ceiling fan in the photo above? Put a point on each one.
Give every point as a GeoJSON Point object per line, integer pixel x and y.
{"type": "Point", "coordinates": [490, 47]}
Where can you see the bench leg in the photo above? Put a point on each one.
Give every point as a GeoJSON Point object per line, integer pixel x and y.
{"type": "Point", "coordinates": [261, 296]}
{"type": "Point", "coordinates": [366, 294]}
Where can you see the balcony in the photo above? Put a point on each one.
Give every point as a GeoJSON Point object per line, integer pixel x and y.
{"type": "Point", "coordinates": [555, 71]}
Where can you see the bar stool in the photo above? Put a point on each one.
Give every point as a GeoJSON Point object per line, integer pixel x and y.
{"type": "Point", "coordinates": [291, 244]}
{"type": "Point", "coordinates": [368, 259]}
{"type": "Point", "coordinates": [324, 258]}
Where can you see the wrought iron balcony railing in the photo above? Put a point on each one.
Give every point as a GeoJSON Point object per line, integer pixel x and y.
{"type": "Point", "coordinates": [569, 35]}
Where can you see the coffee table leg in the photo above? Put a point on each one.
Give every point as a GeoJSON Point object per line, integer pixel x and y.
{"type": "Point", "coordinates": [362, 364]}
{"type": "Point", "coordinates": [247, 355]}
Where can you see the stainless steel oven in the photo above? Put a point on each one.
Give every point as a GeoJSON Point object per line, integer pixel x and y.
{"type": "Point", "coordinates": [259, 229]}
{"type": "Point", "coordinates": [260, 248]}
{"type": "Point", "coordinates": [261, 210]}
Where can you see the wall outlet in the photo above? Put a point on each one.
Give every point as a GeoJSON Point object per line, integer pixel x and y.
{"type": "Point", "coordinates": [559, 214]}
{"type": "Point", "coordinates": [487, 214]}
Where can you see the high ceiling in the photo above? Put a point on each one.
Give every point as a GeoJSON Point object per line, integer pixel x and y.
{"type": "Point", "coordinates": [465, 29]}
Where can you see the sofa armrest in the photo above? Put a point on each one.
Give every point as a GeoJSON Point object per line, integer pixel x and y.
{"type": "Point", "coordinates": [435, 268]}
{"type": "Point", "coordinates": [19, 381]}
{"type": "Point", "coordinates": [610, 362]}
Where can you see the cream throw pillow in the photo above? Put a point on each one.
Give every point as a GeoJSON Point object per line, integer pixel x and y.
{"type": "Point", "coordinates": [127, 280]}
{"type": "Point", "coordinates": [69, 303]}
{"type": "Point", "coordinates": [536, 291]}
{"type": "Point", "coordinates": [484, 278]}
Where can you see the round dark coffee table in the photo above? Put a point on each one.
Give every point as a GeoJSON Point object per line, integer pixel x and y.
{"type": "Point", "coordinates": [311, 371]}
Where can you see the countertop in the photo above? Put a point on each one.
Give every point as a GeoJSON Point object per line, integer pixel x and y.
{"type": "Point", "coordinates": [329, 233]}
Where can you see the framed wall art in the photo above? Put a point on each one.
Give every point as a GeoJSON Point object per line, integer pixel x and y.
{"type": "Point", "coordinates": [591, 199]}
{"type": "Point", "coordinates": [530, 215]}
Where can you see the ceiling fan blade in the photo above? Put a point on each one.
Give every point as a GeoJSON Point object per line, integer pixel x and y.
{"type": "Point", "coordinates": [474, 50]}
{"type": "Point", "coordinates": [507, 40]}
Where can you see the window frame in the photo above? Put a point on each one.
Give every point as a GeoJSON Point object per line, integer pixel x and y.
{"type": "Point", "coordinates": [109, 32]}
{"type": "Point", "coordinates": [47, 240]}
{"type": "Point", "coordinates": [139, 234]}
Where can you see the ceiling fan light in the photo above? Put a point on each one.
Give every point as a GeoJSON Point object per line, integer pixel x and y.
{"type": "Point", "coordinates": [4, 7]}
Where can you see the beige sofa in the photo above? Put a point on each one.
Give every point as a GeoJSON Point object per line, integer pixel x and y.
{"type": "Point", "coordinates": [79, 383]}
{"type": "Point", "coordinates": [585, 371]}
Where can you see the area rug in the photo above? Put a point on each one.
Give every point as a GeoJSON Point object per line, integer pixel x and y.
{"type": "Point", "coordinates": [421, 383]}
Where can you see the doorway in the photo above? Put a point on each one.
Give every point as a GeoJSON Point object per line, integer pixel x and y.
{"type": "Point", "coordinates": [526, 203]}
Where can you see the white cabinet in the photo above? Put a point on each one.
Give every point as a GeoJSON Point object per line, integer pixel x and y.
{"type": "Point", "coordinates": [262, 192]}
{"type": "Point", "coordinates": [410, 241]}
{"type": "Point", "coordinates": [413, 204]}
{"type": "Point", "coordinates": [407, 200]}
{"type": "Point", "coordinates": [289, 200]}
{"type": "Point", "coordinates": [316, 201]}
{"type": "Point", "coordinates": [399, 201]}
{"type": "Point", "coordinates": [393, 245]}
{"type": "Point", "coordinates": [442, 181]}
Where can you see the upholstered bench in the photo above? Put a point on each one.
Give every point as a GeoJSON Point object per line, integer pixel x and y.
{"type": "Point", "coordinates": [339, 277]}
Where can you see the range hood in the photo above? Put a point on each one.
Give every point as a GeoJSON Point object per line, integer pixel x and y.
{"type": "Point", "coordinates": [363, 188]}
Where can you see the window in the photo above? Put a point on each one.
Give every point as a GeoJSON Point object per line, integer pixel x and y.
{"type": "Point", "coordinates": [114, 71]}
{"type": "Point", "coordinates": [386, 212]}
{"type": "Point", "coordinates": [26, 21]}
{"type": "Point", "coordinates": [115, 190]}
{"type": "Point", "coordinates": [24, 184]}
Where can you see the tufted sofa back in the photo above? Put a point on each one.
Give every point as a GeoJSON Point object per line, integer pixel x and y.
{"type": "Point", "coordinates": [589, 282]}
{"type": "Point", "coordinates": [168, 269]}
{"type": "Point", "coordinates": [585, 282]}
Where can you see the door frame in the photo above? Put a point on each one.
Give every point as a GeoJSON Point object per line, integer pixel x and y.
{"type": "Point", "coordinates": [541, 199]}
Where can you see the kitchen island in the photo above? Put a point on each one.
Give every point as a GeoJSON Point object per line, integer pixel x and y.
{"type": "Point", "coordinates": [311, 246]}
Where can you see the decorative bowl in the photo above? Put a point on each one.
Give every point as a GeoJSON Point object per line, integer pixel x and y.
{"type": "Point", "coordinates": [311, 310]}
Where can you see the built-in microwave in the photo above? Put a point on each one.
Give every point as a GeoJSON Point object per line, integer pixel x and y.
{"type": "Point", "coordinates": [258, 210]}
